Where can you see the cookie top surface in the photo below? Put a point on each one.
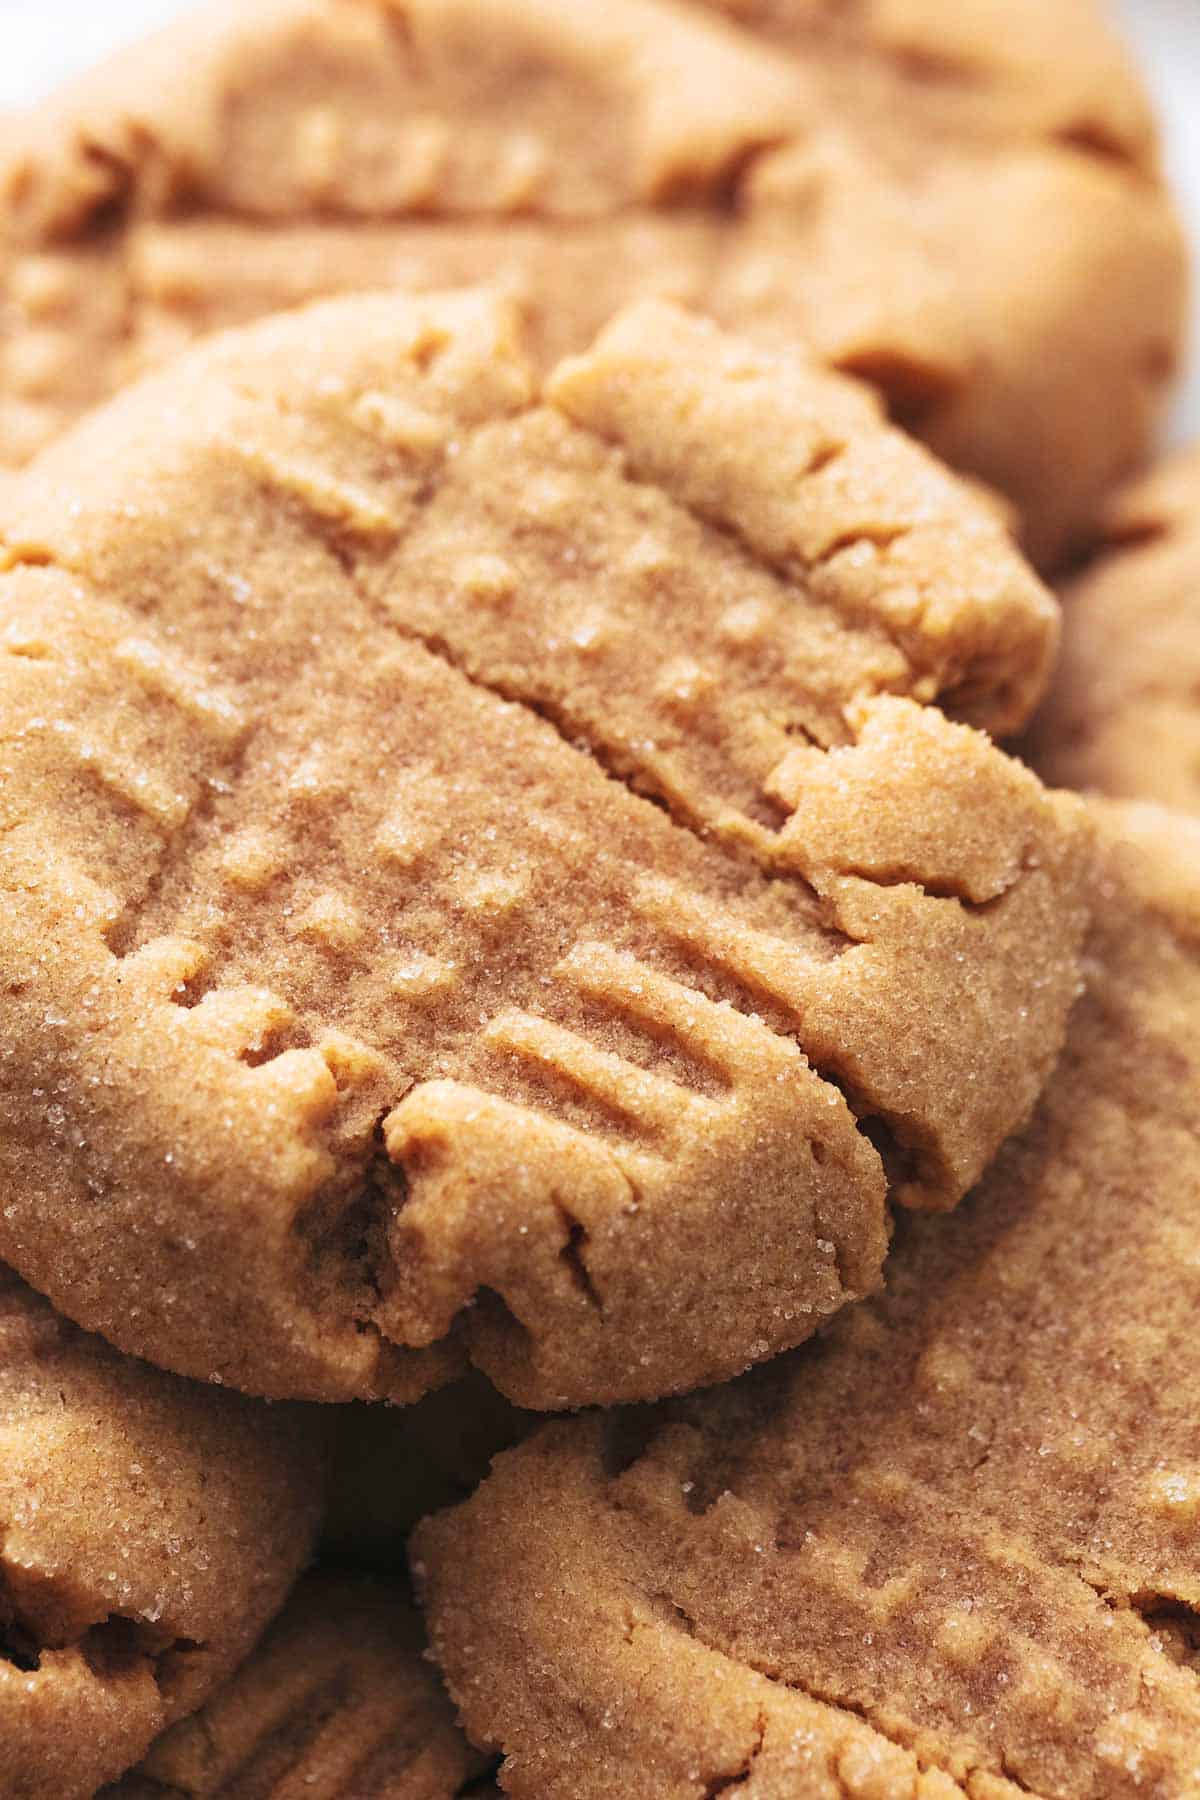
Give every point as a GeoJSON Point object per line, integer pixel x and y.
{"type": "Point", "coordinates": [149, 1529]}
{"type": "Point", "coordinates": [1123, 714]}
{"type": "Point", "coordinates": [488, 875]}
{"type": "Point", "coordinates": [338, 1702]}
{"type": "Point", "coordinates": [951, 1549]}
{"type": "Point", "coordinates": [960, 202]}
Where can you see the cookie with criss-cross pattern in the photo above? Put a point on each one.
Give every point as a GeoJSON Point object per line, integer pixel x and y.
{"type": "Point", "coordinates": [1123, 713]}
{"type": "Point", "coordinates": [960, 201]}
{"type": "Point", "coordinates": [337, 1703]}
{"type": "Point", "coordinates": [477, 875]}
{"type": "Point", "coordinates": [149, 1529]}
{"type": "Point", "coordinates": [948, 1550]}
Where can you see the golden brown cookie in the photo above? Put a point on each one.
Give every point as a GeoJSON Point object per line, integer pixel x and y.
{"type": "Point", "coordinates": [468, 882]}
{"type": "Point", "coordinates": [338, 1702]}
{"type": "Point", "coordinates": [951, 1548]}
{"type": "Point", "coordinates": [390, 1466]}
{"type": "Point", "coordinates": [1123, 712]}
{"type": "Point", "coordinates": [149, 1529]}
{"type": "Point", "coordinates": [960, 201]}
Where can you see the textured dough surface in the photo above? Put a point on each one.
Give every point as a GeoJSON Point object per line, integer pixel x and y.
{"type": "Point", "coordinates": [149, 1529]}
{"type": "Point", "coordinates": [476, 873]}
{"type": "Point", "coordinates": [1123, 713]}
{"type": "Point", "coordinates": [951, 1548]}
{"type": "Point", "coordinates": [336, 1703]}
{"type": "Point", "coordinates": [961, 202]}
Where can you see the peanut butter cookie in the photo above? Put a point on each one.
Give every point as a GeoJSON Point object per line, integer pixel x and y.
{"type": "Point", "coordinates": [951, 1549]}
{"type": "Point", "coordinates": [337, 1703]}
{"type": "Point", "coordinates": [149, 1529]}
{"type": "Point", "coordinates": [960, 201]}
{"type": "Point", "coordinates": [475, 874]}
{"type": "Point", "coordinates": [1123, 713]}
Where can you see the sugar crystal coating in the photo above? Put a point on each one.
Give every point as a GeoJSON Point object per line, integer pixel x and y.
{"type": "Point", "coordinates": [400, 968]}
{"type": "Point", "coordinates": [947, 1550]}
{"type": "Point", "coordinates": [149, 1529]}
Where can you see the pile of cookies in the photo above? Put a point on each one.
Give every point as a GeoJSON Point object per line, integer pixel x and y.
{"type": "Point", "coordinates": [599, 1189]}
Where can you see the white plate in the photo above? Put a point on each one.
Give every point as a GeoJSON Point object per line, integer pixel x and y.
{"type": "Point", "coordinates": [1167, 35]}
{"type": "Point", "coordinates": [42, 42]}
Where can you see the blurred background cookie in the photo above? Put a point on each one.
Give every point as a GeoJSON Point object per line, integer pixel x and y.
{"type": "Point", "coordinates": [336, 1703]}
{"type": "Point", "coordinates": [1123, 713]}
{"type": "Point", "coordinates": [948, 1549]}
{"type": "Point", "coordinates": [498, 904]}
{"type": "Point", "coordinates": [149, 1530]}
{"type": "Point", "coordinates": [960, 202]}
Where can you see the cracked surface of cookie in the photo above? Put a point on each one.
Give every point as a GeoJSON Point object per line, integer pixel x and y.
{"type": "Point", "coordinates": [950, 1549]}
{"type": "Point", "coordinates": [149, 1529]}
{"type": "Point", "coordinates": [1123, 713]}
{"type": "Point", "coordinates": [338, 1703]}
{"type": "Point", "coordinates": [468, 883]}
{"type": "Point", "coordinates": [961, 202]}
